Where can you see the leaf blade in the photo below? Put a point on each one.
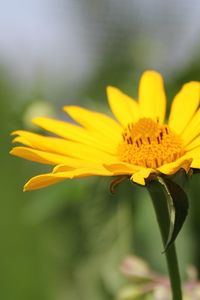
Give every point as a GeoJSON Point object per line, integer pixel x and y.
{"type": "Point", "coordinates": [178, 208]}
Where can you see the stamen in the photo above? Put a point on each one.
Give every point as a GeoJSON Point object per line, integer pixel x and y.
{"type": "Point", "coordinates": [149, 144]}
{"type": "Point", "coordinates": [156, 162]}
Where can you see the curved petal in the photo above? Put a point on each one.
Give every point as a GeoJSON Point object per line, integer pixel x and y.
{"type": "Point", "coordinates": [74, 133]}
{"type": "Point", "coordinates": [124, 108]}
{"type": "Point", "coordinates": [192, 129]}
{"type": "Point", "coordinates": [172, 168]}
{"type": "Point", "coordinates": [140, 176]}
{"type": "Point", "coordinates": [64, 147]}
{"type": "Point", "coordinates": [42, 157]}
{"type": "Point", "coordinates": [45, 180]}
{"type": "Point", "coordinates": [152, 99]}
{"type": "Point", "coordinates": [95, 121]}
{"type": "Point", "coordinates": [21, 140]}
{"type": "Point", "coordinates": [82, 164]}
{"type": "Point", "coordinates": [121, 168]}
{"type": "Point", "coordinates": [41, 181]}
{"type": "Point", "coordinates": [184, 106]}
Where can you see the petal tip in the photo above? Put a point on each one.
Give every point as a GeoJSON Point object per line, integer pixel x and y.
{"type": "Point", "coordinates": [110, 89]}
{"type": "Point", "coordinates": [12, 151]}
{"type": "Point", "coordinates": [64, 108]}
{"type": "Point", "coordinates": [151, 72]}
{"type": "Point", "coordinates": [36, 120]}
{"type": "Point", "coordinates": [26, 187]}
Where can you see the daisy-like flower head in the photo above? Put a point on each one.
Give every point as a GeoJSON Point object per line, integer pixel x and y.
{"type": "Point", "coordinates": [136, 144]}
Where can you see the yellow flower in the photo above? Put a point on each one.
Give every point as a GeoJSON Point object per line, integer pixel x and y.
{"type": "Point", "coordinates": [137, 144]}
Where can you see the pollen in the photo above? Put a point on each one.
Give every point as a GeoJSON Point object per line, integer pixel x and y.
{"type": "Point", "coordinates": [149, 144]}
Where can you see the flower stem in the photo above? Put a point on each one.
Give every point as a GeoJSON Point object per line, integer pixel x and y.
{"type": "Point", "coordinates": [159, 200]}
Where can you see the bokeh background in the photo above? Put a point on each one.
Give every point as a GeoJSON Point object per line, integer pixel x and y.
{"type": "Point", "coordinates": [67, 241]}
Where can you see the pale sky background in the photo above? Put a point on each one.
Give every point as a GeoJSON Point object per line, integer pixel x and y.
{"type": "Point", "coordinates": [57, 39]}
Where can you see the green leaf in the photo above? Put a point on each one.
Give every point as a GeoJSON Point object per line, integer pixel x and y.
{"type": "Point", "coordinates": [178, 208]}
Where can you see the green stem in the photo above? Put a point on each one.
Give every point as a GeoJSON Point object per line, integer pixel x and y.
{"type": "Point", "coordinates": [162, 213]}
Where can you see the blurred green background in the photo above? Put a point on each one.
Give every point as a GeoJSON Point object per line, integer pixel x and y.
{"type": "Point", "coordinates": [68, 241]}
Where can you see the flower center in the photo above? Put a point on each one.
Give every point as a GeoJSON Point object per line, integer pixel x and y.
{"type": "Point", "coordinates": [149, 144]}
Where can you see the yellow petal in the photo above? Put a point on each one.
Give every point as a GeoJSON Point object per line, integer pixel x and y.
{"type": "Point", "coordinates": [184, 106]}
{"type": "Point", "coordinates": [77, 165]}
{"type": "Point", "coordinates": [21, 140]}
{"type": "Point", "coordinates": [152, 99]}
{"type": "Point", "coordinates": [196, 163]}
{"type": "Point", "coordinates": [172, 168]}
{"type": "Point", "coordinates": [96, 122]}
{"type": "Point", "coordinates": [192, 129]}
{"type": "Point", "coordinates": [140, 176]}
{"type": "Point", "coordinates": [124, 108]}
{"type": "Point", "coordinates": [41, 181]}
{"type": "Point", "coordinates": [74, 133]}
{"type": "Point", "coordinates": [45, 180]}
{"type": "Point", "coordinates": [64, 147]}
{"type": "Point", "coordinates": [120, 168]}
{"type": "Point", "coordinates": [194, 153]}
{"type": "Point", "coordinates": [41, 157]}
{"type": "Point", "coordinates": [195, 143]}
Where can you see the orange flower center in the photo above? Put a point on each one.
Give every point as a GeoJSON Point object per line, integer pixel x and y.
{"type": "Point", "coordinates": [149, 144]}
